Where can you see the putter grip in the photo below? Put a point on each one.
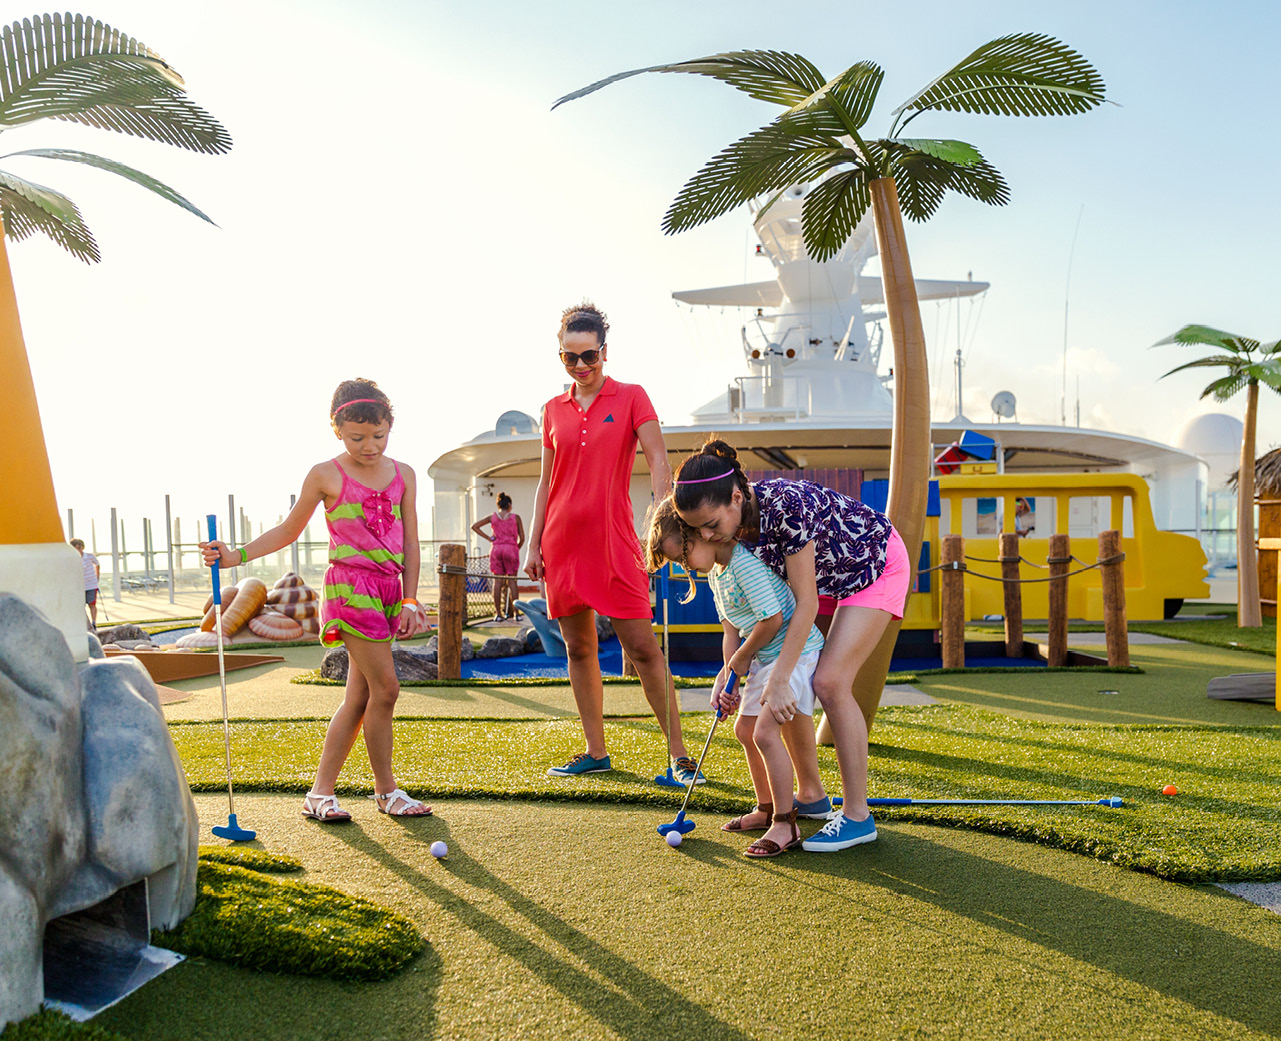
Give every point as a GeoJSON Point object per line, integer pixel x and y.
{"type": "Point", "coordinates": [730, 684]}
{"type": "Point", "coordinates": [213, 534]}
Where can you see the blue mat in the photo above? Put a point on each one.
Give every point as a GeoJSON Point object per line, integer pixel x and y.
{"type": "Point", "coordinates": [527, 666]}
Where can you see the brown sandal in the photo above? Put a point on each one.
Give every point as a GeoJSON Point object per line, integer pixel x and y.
{"type": "Point", "coordinates": [736, 824]}
{"type": "Point", "coordinates": [770, 848]}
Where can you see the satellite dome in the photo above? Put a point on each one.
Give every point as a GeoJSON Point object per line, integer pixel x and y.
{"type": "Point", "coordinates": [1216, 438]}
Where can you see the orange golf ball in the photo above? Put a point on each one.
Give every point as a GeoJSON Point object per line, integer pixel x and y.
{"type": "Point", "coordinates": [1169, 789]}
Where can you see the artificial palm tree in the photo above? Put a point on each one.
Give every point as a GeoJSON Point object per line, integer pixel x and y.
{"type": "Point", "coordinates": [821, 137]}
{"type": "Point", "coordinates": [81, 70]}
{"type": "Point", "coordinates": [1248, 363]}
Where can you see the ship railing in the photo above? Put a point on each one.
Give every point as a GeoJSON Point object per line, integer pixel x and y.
{"type": "Point", "coordinates": [762, 397]}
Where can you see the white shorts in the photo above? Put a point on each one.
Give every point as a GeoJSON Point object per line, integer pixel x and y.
{"type": "Point", "coordinates": [802, 685]}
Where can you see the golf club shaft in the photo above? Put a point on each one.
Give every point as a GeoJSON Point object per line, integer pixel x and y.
{"type": "Point", "coordinates": [222, 670]}
{"type": "Point", "coordinates": [989, 802]}
{"type": "Point", "coordinates": [729, 685]}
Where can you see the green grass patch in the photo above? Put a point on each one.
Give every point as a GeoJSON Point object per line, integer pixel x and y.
{"type": "Point", "coordinates": [1223, 826]}
{"type": "Point", "coordinates": [260, 860]}
{"type": "Point", "coordinates": [245, 918]}
{"type": "Point", "coordinates": [47, 1025]}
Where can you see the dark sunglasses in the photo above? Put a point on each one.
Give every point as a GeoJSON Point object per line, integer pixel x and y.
{"type": "Point", "coordinates": [587, 357]}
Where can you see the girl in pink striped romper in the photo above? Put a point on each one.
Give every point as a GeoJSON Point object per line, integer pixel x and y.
{"type": "Point", "coordinates": [369, 589]}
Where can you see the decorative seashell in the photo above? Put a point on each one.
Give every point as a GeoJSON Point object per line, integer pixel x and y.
{"type": "Point", "coordinates": [228, 595]}
{"type": "Point", "coordinates": [309, 609]}
{"type": "Point", "coordinates": [289, 581]}
{"type": "Point", "coordinates": [250, 597]}
{"type": "Point", "coordinates": [311, 625]}
{"type": "Point", "coordinates": [293, 595]}
{"type": "Point", "coordinates": [200, 639]}
{"type": "Point", "coordinates": [271, 625]}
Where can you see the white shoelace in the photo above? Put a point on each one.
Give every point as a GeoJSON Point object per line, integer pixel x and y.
{"type": "Point", "coordinates": [833, 826]}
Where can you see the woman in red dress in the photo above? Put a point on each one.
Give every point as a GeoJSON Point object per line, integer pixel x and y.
{"type": "Point", "coordinates": [582, 542]}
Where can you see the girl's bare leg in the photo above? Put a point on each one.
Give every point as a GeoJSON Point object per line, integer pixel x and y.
{"type": "Point", "coordinates": [852, 637]}
{"type": "Point", "coordinates": [344, 727]}
{"type": "Point", "coordinates": [769, 742]}
{"type": "Point", "coordinates": [798, 736]}
{"type": "Point", "coordinates": [374, 660]}
{"type": "Point", "coordinates": [743, 728]}
{"type": "Point", "coordinates": [579, 631]}
{"type": "Point", "coordinates": [638, 640]}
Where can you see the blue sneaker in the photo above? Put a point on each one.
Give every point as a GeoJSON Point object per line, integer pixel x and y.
{"type": "Point", "coordinates": [581, 764]}
{"type": "Point", "coordinates": [684, 769]}
{"type": "Point", "coordinates": [818, 810]}
{"type": "Point", "coordinates": [840, 833]}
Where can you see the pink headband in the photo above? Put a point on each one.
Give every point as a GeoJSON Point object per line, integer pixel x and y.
{"type": "Point", "coordinates": [358, 401]}
{"type": "Point", "coordinates": [704, 480]}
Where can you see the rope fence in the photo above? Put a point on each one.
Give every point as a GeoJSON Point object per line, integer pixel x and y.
{"type": "Point", "coordinates": [954, 568]}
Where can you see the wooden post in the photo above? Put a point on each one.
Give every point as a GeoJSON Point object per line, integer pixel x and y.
{"type": "Point", "coordinates": [1060, 560]}
{"type": "Point", "coordinates": [453, 611]}
{"type": "Point", "coordinates": [952, 597]}
{"type": "Point", "coordinates": [1009, 555]}
{"type": "Point", "coordinates": [1114, 597]}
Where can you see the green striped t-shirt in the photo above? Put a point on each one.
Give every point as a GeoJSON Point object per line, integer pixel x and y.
{"type": "Point", "coordinates": [747, 591]}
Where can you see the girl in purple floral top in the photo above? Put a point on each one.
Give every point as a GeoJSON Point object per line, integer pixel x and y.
{"type": "Point", "coordinates": [842, 560]}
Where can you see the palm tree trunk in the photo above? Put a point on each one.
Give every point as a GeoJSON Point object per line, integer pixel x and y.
{"type": "Point", "coordinates": [31, 514]}
{"type": "Point", "coordinates": [1249, 611]}
{"type": "Point", "coordinates": [910, 438]}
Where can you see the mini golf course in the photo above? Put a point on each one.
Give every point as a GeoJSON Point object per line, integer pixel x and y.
{"type": "Point", "coordinates": [559, 911]}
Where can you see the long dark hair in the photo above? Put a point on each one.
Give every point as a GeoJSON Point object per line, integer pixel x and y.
{"type": "Point", "coordinates": [710, 477]}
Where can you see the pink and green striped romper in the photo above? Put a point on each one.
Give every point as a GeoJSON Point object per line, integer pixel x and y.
{"type": "Point", "coordinates": [363, 586]}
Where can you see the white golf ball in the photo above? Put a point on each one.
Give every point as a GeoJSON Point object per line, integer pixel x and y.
{"type": "Point", "coordinates": [438, 849]}
{"type": "Point", "coordinates": [674, 838]}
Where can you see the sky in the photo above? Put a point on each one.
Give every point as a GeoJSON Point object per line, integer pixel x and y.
{"type": "Point", "coordinates": [402, 204]}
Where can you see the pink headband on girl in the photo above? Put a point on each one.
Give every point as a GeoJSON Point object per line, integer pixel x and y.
{"type": "Point", "coordinates": [358, 401]}
{"type": "Point", "coordinates": [704, 480]}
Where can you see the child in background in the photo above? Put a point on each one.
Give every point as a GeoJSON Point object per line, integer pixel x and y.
{"type": "Point", "coordinates": [368, 591]}
{"type": "Point", "coordinates": [93, 576]}
{"type": "Point", "coordinates": [755, 607]}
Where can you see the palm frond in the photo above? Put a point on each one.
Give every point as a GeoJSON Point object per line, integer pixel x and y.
{"type": "Point", "coordinates": [1270, 348]}
{"type": "Point", "coordinates": [774, 76]}
{"type": "Point", "coordinates": [770, 158]}
{"type": "Point", "coordinates": [848, 98]}
{"type": "Point", "coordinates": [111, 166]}
{"type": "Point", "coordinates": [922, 179]}
{"type": "Point", "coordinates": [959, 153]}
{"type": "Point", "coordinates": [1194, 334]}
{"type": "Point", "coordinates": [1266, 372]}
{"type": "Point", "coordinates": [1226, 387]}
{"type": "Point", "coordinates": [1024, 74]}
{"type": "Point", "coordinates": [1228, 361]}
{"type": "Point", "coordinates": [27, 207]}
{"type": "Point", "coordinates": [832, 209]}
{"type": "Point", "coordinates": [82, 70]}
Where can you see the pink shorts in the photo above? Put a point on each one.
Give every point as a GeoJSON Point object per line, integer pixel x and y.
{"type": "Point", "coordinates": [504, 559]}
{"type": "Point", "coordinates": [889, 592]}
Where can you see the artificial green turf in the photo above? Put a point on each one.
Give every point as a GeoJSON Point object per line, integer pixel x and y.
{"type": "Point", "coordinates": [254, 859]}
{"type": "Point", "coordinates": [576, 921]}
{"type": "Point", "coordinates": [47, 1025]}
{"type": "Point", "coordinates": [1171, 689]}
{"type": "Point", "coordinates": [244, 918]}
{"type": "Point", "coordinates": [1223, 827]}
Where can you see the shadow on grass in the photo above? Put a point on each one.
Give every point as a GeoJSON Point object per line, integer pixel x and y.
{"type": "Point", "coordinates": [1207, 968]}
{"type": "Point", "coordinates": [629, 1001]}
{"type": "Point", "coordinates": [1149, 762]}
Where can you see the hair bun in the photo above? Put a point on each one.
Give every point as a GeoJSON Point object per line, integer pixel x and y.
{"type": "Point", "coordinates": [720, 449]}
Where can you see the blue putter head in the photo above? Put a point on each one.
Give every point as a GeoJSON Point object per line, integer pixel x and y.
{"type": "Point", "coordinates": [680, 824]}
{"type": "Point", "coordinates": [667, 780]}
{"type": "Point", "coordinates": [231, 830]}
{"type": "Point", "coordinates": [1115, 802]}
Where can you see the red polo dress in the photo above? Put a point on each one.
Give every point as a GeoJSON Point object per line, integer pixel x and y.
{"type": "Point", "coordinates": [590, 550]}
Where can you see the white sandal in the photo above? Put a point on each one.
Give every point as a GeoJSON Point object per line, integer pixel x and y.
{"type": "Point", "coordinates": [407, 803]}
{"type": "Point", "coordinates": [323, 808]}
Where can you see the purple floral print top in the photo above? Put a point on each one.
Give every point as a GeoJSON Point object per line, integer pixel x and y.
{"type": "Point", "coordinates": [850, 539]}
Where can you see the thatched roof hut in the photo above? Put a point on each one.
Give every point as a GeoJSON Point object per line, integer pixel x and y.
{"type": "Point", "coordinates": [1267, 476]}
